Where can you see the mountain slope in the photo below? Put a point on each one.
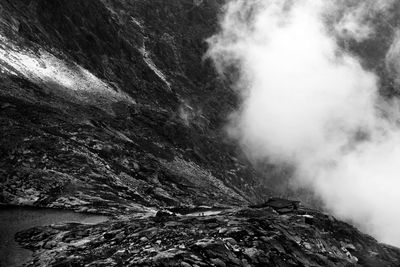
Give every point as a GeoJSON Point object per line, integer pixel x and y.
{"type": "Point", "coordinates": [109, 103]}
{"type": "Point", "coordinates": [109, 106]}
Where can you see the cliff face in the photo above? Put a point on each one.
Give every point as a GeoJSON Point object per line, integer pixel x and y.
{"type": "Point", "coordinates": [109, 106]}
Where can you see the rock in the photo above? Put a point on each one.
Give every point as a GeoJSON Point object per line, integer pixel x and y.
{"type": "Point", "coordinates": [119, 236]}
{"type": "Point", "coordinates": [230, 240]}
{"type": "Point", "coordinates": [307, 245]}
{"type": "Point", "coordinates": [236, 248]}
{"type": "Point", "coordinates": [185, 264]}
{"type": "Point", "coordinates": [69, 239]}
{"type": "Point", "coordinates": [251, 253]}
{"type": "Point", "coordinates": [245, 263]}
{"type": "Point", "coordinates": [164, 214]}
{"type": "Point", "coordinates": [120, 253]}
{"type": "Point", "coordinates": [222, 230]}
{"type": "Point", "coordinates": [280, 205]}
{"type": "Point", "coordinates": [50, 244]}
{"type": "Point", "coordinates": [135, 166]}
{"type": "Point", "coordinates": [308, 219]}
{"type": "Point", "coordinates": [218, 262]}
{"type": "Point", "coordinates": [172, 224]}
{"type": "Point", "coordinates": [350, 247]}
{"type": "Point", "coordinates": [109, 235]}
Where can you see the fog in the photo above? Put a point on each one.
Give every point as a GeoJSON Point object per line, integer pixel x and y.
{"type": "Point", "coordinates": [392, 59]}
{"type": "Point", "coordinates": [308, 103]}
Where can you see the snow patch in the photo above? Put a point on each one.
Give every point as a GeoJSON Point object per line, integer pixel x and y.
{"type": "Point", "coordinates": [45, 69]}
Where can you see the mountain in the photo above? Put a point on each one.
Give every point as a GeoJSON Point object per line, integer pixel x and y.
{"type": "Point", "coordinates": [109, 103]}
{"type": "Point", "coordinates": [110, 107]}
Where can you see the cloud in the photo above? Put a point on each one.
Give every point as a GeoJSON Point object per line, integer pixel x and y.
{"type": "Point", "coordinates": [355, 19]}
{"type": "Point", "coordinates": [393, 59]}
{"type": "Point", "coordinates": [307, 103]}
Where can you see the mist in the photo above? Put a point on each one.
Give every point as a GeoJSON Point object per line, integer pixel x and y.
{"type": "Point", "coordinates": [308, 103]}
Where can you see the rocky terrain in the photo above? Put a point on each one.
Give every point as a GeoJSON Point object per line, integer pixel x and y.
{"type": "Point", "coordinates": [110, 107]}
{"type": "Point", "coordinates": [236, 237]}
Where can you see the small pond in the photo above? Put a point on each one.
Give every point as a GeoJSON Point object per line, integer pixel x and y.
{"type": "Point", "coordinates": [15, 219]}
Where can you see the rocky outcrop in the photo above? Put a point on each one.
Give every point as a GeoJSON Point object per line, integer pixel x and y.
{"type": "Point", "coordinates": [238, 237]}
{"type": "Point", "coordinates": [280, 205]}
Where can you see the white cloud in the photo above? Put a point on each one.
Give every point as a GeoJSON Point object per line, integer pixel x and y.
{"type": "Point", "coordinates": [393, 59]}
{"type": "Point", "coordinates": [355, 18]}
{"type": "Point", "coordinates": [309, 104]}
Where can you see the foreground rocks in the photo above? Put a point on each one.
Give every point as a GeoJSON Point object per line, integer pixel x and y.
{"type": "Point", "coordinates": [236, 237]}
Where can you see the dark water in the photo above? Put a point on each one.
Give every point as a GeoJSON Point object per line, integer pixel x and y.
{"type": "Point", "coordinates": [15, 219]}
